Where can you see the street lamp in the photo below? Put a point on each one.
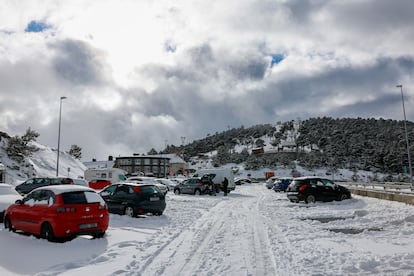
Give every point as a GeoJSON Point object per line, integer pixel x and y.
{"type": "Point", "coordinates": [406, 138]}
{"type": "Point", "coordinates": [58, 148]}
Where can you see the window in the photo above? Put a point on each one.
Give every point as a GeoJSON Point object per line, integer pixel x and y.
{"type": "Point", "coordinates": [148, 190]}
{"type": "Point", "coordinates": [29, 181]}
{"type": "Point", "coordinates": [110, 190]}
{"type": "Point", "coordinates": [320, 183]}
{"type": "Point", "coordinates": [81, 197]}
{"type": "Point", "coordinates": [328, 183]}
{"type": "Point", "coordinates": [122, 190]}
{"type": "Point", "coordinates": [313, 182]}
{"type": "Point", "coordinates": [124, 162]}
{"type": "Point", "coordinates": [74, 198]}
{"type": "Point", "coordinates": [40, 197]}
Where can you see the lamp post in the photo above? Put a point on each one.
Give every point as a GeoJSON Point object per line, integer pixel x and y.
{"type": "Point", "coordinates": [406, 138]}
{"type": "Point", "coordinates": [58, 148]}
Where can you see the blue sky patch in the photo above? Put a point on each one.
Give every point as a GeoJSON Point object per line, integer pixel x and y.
{"type": "Point", "coordinates": [170, 47]}
{"type": "Point", "coordinates": [36, 27]}
{"type": "Point", "coordinates": [276, 58]}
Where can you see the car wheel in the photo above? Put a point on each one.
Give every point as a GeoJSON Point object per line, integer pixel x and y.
{"type": "Point", "coordinates": [47, 232]}
{"type": "Point", "coordinates": [177, 191]}
{"type": "Point", "coordinates": [129, 211]}
{"type": "Point", "coordinates": [157, 213]}
{"type": "Point", "coordinates": [343, 197]}
{"type": "Point", "coordinates": [197, 192]}
{"type": "Point", "coordinates": [8, 224]}
{"type": "Point", "coordinates": [98, 235]}
{"type": "Point", "coordinates": [310, 199]}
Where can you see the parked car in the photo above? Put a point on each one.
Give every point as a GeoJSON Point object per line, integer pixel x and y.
{"type": "Point", "coordinates": [281, 184]}
{"type": "Point", "coordinates": [167, 182]}
{"type": "Point", "coordinates": [132, 199]}
{"type": "Point", "coordinates": [270, 182]}
{"type": "Point", "coordinates": [148, 180]}
{"type": "Point", "coordinates": [81, 182]}
{"type": "Point", "coordinates": [311, 189]}
{"type": "Point", "coordinates": [241, 181]}
{"type": "Point", "coordinates": [8, 195]}
{"type": "Point", "coordinates": [99, 184]}
{"type": "Point", "coordinates": [33, 183]}
{"type": "Point", "coordinates": [59, 211]}
{"type": "Point", "coordinates": [217, 176]}
{"type": "Point", "coordinates": [192, 186]}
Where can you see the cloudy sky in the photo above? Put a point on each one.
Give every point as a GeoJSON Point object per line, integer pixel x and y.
{"type": "Point", "coordinates": [142, 74]}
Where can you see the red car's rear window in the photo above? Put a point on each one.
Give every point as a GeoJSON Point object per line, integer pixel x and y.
{"type": "Point", "coordinates": [81, 197]}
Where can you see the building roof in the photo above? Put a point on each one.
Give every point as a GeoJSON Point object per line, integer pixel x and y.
{"type": "Point", "coordinates": [99, 164]}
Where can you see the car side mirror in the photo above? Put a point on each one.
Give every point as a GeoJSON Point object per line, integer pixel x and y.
{"type": "Point", "coordinates": [19, 201]}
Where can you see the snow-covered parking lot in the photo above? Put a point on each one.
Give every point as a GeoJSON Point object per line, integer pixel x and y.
{"type": "Point", "coordinates": [253, 231]}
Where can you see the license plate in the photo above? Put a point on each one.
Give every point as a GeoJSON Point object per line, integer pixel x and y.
{"type": "Point", "coordinates": [88, 225]}
{"type": "Point", "coordinates": [154, 198]}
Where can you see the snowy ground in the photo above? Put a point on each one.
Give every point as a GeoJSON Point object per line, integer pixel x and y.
{"type": "Point", "coordinates": [253, 231]}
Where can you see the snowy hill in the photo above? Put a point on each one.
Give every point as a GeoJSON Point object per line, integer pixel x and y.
{"type": "Point", "coordinates": [42, 163]}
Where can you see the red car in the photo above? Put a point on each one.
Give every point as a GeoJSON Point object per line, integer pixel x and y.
{"type": "Point", "coordinates": [99, 184]}
{"type": "Point", "coordinates": [58, 212]}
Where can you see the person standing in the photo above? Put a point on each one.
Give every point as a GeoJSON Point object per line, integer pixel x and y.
{"type": "Point", "coordinates": [212, 188]}
{"type": "Point", "coordinates": [225, 185]}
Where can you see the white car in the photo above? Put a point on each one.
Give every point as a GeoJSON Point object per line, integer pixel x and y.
{"type": "Point", "coordinates": [79, 181]}
{"type": "Point", "coordinates": [148, 180]}
{"type": "Point", "coordinates": [168, 182]}
{"type": "Point", "coordinates": [8, 195]}
{"type": "Point", "coordinates": [271, 182]}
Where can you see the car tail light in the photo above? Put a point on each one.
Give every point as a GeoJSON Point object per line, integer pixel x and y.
{"type": "Point", "coordinates": [302, 188]}
{"type": "Point", "coordinates": [137, 189]}
{"type": "Point", "coordinates": [102, 207]}
{"type": "Point", "coordinates": [65, 210]}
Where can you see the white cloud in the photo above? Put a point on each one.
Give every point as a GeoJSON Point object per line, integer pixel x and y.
{"type": "Point", "coordinates": [128, 92]}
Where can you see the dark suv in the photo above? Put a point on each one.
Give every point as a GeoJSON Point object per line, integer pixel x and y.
{"type": "Point", "coordinates": [311, 189]}
{"type": "Point", "coordinates": [33, 183]}
{"type": "Point", "coordinates": [194, 186]}
{"type": "Point", "coordinates": [134, 199]}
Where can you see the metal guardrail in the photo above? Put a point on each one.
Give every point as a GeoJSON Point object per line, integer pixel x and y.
{"type": "Point", "coordinates": [386, 186]}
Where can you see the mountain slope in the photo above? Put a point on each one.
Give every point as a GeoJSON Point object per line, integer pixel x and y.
{"type": "Point", "coordinates": [42, 163]}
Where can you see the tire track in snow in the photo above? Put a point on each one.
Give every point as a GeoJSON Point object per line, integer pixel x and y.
{"type": "Point", "coordinates": [219, 243]}
{"type": "Point", "coordinates": [265, 260]}
{"type": "Point", "coordinates": [187, 253]}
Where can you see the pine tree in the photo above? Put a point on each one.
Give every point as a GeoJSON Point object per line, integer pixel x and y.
{"type": "Point", "coordinates": [19, 147]}
{"type": "Point", "coordinates": [76, 151]}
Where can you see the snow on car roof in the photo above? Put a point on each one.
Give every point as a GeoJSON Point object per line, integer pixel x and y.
{"type": "Point", "coordinates": [59, 189]}
{"type": "Point", "coordinates": [310, 177]}
{"type": "Point", "coordinates": [134, 183]}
